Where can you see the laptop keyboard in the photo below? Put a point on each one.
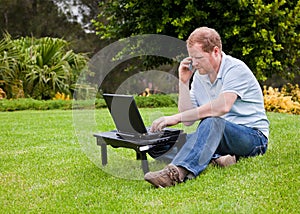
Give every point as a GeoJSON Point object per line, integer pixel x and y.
{"type": "Point", "coordinates": [158, 133]}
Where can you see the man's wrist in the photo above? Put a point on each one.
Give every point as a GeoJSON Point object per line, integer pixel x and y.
{"type": "Point", "coordinates": [178, 118]}
{"type": "Point", "coordinates": [183, 85]}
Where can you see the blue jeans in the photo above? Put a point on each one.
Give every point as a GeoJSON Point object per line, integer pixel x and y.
{"type": "Point", "coordinates": [216, 136]}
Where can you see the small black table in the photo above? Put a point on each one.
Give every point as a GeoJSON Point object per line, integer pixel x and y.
{"type": "Point", "coordinates": [142, 147]}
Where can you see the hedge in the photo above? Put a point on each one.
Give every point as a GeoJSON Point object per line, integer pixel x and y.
{"type": "Point", "coordinates": [152, 101]}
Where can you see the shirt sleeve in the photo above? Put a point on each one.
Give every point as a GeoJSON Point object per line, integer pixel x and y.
{"type": "Point", "coordinates": [237, 80]}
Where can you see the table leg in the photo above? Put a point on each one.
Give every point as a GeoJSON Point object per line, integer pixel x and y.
{"type": "Point", "coordinates": [103, 153]}
{"type": "Point", "coordinates": [144, 160]}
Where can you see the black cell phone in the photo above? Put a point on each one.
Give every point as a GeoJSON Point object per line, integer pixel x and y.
{"type": "Point", "coordinates": [191, 66]}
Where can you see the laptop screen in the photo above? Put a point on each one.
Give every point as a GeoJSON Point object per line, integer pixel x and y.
{"type": "Point", "coordinates": [125, 114]}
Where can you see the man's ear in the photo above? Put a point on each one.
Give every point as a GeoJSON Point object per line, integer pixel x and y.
{"type": "Point", "coordinates": [216, 50]}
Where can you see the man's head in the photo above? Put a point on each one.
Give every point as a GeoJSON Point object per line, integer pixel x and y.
{"type": "Point", "coordinates": [205, 50]}
{"type": "Point", "coordinates": [207, 37]}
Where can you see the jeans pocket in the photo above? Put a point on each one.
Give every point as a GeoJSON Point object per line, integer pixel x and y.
{"type": "Point", "coordinates": [258, 150]}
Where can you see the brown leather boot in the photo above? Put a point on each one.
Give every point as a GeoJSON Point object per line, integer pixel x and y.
{"type": "Point", "coordinates": [224, 161]}
{"type": "Point", "coordinates": [169, 176]}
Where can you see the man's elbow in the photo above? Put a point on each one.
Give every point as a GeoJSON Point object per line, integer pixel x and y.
{"type": "Point", "coordinates": [226, 109]}
{"type": "Point", "coordinates": [188, 123]}
{"type": "Point", "coordinates": [221, 110]}
{"type": "Point", "coordinates": [226, 102]}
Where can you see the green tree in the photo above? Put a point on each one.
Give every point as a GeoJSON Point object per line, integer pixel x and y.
{"type": "Point", "coordinates": [43, 18]}
{"type": "Point", "coordinates": [265, 34]}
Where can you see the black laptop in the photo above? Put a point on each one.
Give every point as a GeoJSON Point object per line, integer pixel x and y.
{"type": "Point", "coordinates": [129, 122]}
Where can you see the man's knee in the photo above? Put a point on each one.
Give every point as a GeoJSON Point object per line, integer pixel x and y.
{"type": "Point", "coordinates": [213, 120]}
{"type": "Point", "coordinates": [215, 124]}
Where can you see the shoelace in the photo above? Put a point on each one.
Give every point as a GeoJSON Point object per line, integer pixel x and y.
{"type": "Point", "coordinates": [174, 175]}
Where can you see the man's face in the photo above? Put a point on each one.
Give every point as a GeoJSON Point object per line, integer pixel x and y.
{"type": "Point", "coordinates": [204, 62]}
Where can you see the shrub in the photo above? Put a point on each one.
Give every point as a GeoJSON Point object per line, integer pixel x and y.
{"type": "Point", "coordinates": [284, 101]}
{"type": "Point", "coordinates": [156, 100]}
{"type": "Point", "coordinates": [31, 104]}
{"type": "Point", "coordinates": [38, 67]}
{"type": "Point", "coordinates": [61, 96]}
{"type": "Point", "coordinates": [292, 90]}
{"type": "Point", "coordinates": [61, 102]}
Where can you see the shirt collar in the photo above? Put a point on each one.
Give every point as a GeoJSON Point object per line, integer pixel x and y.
{"type": "Point", "coordinates": [219, 76]}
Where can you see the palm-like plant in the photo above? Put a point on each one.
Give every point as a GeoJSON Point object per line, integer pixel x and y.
{"type": "Point", "coordinates": [49, 67]}
{"type": "Point", "coordinates": [10, 77]}
{"type": "Point", "coordinates": [38, 68]}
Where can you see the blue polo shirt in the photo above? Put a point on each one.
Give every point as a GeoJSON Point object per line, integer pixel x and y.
{"type": "Point", "coordinates": [234, 76]}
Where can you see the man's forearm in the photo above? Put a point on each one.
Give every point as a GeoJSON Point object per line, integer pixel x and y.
{"type": "Point", "coordinates": [208, 110]}
{"type": "Point", "coordinates": [215, 108]}
{"type": "Point", "coordinates": [184, 100]}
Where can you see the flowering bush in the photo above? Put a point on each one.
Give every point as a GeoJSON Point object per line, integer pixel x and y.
{"type": "Point", "coordinates": [285, 101]}
{"type": "Point", "coordinates": [292, 90]}
{"type": "Point", "coordinates": [61, 96]}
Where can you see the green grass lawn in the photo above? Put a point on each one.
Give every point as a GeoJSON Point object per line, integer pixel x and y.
{"type": "Point", "coordinates": [49, 163]}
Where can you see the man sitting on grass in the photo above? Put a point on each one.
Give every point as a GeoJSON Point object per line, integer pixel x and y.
{"type": "Point", "coordinates": [227, 100]}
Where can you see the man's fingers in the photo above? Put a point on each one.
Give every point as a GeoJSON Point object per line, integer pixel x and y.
{"type": "Point", "coordinates": [158, 124]}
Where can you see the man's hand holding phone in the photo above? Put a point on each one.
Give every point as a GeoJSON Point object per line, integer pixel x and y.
{"type": "Point", "coordinates": [186, 70]}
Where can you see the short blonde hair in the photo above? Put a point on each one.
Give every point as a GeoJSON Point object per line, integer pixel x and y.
{"type": "Point", "coordinates": [207, 37]}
